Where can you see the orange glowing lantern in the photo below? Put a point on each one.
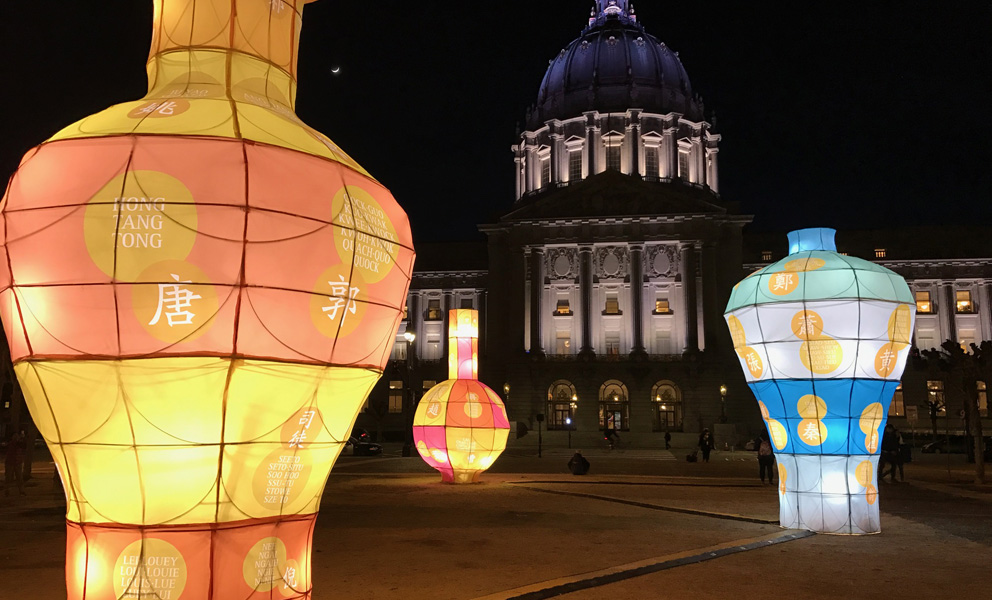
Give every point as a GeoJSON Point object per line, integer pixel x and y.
{"type": "Point", "coordinates": [199, 291]}
{"type": "Point", "coordinates": [461, 426]}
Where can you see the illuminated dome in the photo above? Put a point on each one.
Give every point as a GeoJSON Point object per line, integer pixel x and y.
{"type": "Point", "coordinates": [613, 66]}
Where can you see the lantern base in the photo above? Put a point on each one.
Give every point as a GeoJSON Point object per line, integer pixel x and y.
{"type": "Point", "coordinates": [460, 476]}
{"type": "Point", "coordinates": [223, 561]}
{"type": "Point", "coordinates": [829, 494]}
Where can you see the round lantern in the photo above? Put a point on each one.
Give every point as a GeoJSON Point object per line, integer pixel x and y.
{"type": "Point", "coordinates": [199, 291]}
{"type": "Point", "coordinates": [460, 426]}
{"type": "Point", "coordinates": [822, 339]}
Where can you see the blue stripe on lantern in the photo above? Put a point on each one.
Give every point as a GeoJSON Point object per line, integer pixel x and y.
{"type": "Point", "coordinates": [846, 400]}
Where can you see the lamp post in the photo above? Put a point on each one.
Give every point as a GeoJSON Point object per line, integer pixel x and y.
{"type": "Point", "coordinates": [409, 400]}
{"type": "Point", "coordinates": [540, 442]}
{"type": "Point", "coordinates": [571, 413]}
{"type": "Point", "coordinates": [723, 404]}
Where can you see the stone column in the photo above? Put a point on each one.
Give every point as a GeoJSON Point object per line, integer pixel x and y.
{"type": "Point", "coordinates": [533, 167]}
{"type": "Point", "coordinates": [711, 293]}
{"type": "Point", "coordinates": [632, 139]}
{"type": "Point", "coordinates": [950, 309]}
{"type": "Point", "coordinates": [594, 143]}
{"type": "Point", "coordinates": [696, 160]}
{"type": "Point", "coordinates": [688, 251]}
{"type": "Point", "coordinates": [986, 310]}
{"type": "Point", "coordinates": [711, 170]}
{"type": "Point", "coordinates": [518, 162]}
{"type": "Point", "coordinates": [585, 300]}
{"type": "Point", "coordinates": [536, 297]}
{"type": "Point", "coordinates": [637, 297]}
{"type": "Point", "coordinates": [670, 153]}
{"type": "Point", "coordinates": [557, 151]}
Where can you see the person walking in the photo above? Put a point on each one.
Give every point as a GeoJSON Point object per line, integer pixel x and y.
{"type": "Point", "coordinates": [705, 444]}
{"type": "Point", "coordinates": [766, 458]}
{"type": "Point", "coordinates": [578, 464]}
{"type": "Point", "coordinates": [891, 454]}
{"type": "Point", "coordinates": [668, 440]}
{"type": "Point", "coordinates": [14, 463]}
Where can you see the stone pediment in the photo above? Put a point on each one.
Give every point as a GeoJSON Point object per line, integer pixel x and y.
{"type": "Point", "coordinates": [613, 194]}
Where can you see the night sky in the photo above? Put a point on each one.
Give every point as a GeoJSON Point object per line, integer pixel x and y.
{"type": "Point", "coordinates": [851, 116]}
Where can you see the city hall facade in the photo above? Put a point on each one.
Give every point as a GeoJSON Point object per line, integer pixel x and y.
{"type": "Point", "coordinates": [601, 287]}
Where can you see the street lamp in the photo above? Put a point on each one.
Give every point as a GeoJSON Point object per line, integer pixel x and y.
{"type": "Point", "coordinates": [568, 421]}
{"type": "Point", "coordinates": [409, 400]}
{"type": "Point", "coordinates": [723, 404]}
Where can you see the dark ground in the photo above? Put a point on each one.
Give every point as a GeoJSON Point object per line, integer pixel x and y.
{"type": "Point", "coordinates": [640, 525]}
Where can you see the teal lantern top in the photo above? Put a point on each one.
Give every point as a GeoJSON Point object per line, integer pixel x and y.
{"type": "Point", "coordinates": [814, 270]}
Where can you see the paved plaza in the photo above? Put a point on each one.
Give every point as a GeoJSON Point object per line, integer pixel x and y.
{"type": "Point", "coordinates": [642, 524]}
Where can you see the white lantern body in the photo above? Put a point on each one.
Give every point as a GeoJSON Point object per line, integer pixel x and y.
{"type": "Point", "coordinates": [823, 339]}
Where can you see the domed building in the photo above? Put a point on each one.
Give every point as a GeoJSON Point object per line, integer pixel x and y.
{"type": "Point", "coordinates": [601, 289]}
{"type": "Point", "coordinates": [616, 99]}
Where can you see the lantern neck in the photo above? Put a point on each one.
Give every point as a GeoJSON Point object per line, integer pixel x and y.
{"type": "Point", "coordinates": [463, 344]}
{"type": "Point", "coordinates": [815, 238]}
{"type": "Point", "coordinates": [225, 48]}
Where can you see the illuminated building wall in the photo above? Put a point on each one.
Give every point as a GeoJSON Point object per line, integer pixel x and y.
{"type": "Point", "coordinates": [199, 291]}
{"type": "Point", "coordinates": [823, 339]}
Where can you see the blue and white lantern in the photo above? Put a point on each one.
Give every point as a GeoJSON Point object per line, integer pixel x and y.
{"type": "Point", "coordinates": [823, 340]}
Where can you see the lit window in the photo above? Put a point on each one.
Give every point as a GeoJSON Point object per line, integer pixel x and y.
{"type": "Point", "coordinates": [923, 305]}
{"type": "Point", "coordinates": [766, 255]}
{"type": "Point", "coordinates": [651, 161]}
{"type": "Point", "coordinates": [898, 407]}
{"type": "Point", "coordinates": [545, 171]}
{"type": "Point", "coordinates": [433, 310]}
{"type": "Point", "coordinates": [395, 396]}
{"type": "Point", "coordinates": [562, 308]}
{"type": "Point", "coordinates": [429, 383]}
{"type": "Point", "coordinates": [613, 343]}
{"type": "Point", "coordinates": [613, 156]}
{"type": "Point", "coordinates": [684, 165]}
{"type": "Point", "coordinates": [466, 303]}
{"type": "Point", "coordinates": [661, 307]}
{"type": "Point", "coordinates": [963, 301]}
{"type": "Point", "coordinates": [983, 399]}
{"type": "Point", "coordinates": [575, 165]}
{"type": "Point", "coordinates": [879, 252]}
{"type": "Point", "coordinates": [612, 305]}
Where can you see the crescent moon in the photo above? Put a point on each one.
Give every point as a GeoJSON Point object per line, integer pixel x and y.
{"type": "Point", "coordinates": [336, 70]}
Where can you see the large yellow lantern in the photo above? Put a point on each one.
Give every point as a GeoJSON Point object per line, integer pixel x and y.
{"type": "Point", "coordinates": [822, 339]}
{"type": "Point", "coordinates": [199, 292]}
{"type": "Point", "coordinates": [460, 426]}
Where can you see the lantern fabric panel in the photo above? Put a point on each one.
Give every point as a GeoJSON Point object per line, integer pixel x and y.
{"type": "Point", "coordinates": [199, 292]}
{"type": "Point", "coordinates": [822, 340]}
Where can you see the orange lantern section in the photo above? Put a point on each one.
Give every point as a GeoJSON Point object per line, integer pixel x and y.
{"type": "Point", "coordinates": [199, 291]}
{"type": "Point", "coordinates": [460, 426]}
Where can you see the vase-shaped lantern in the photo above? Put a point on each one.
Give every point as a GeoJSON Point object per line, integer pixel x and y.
{"type": "Point", "coordinates": [460, 426]}
{"type": "Point", "coordinates": [823, 339]}
{"type": "Point", "coordinates": [199, 291]}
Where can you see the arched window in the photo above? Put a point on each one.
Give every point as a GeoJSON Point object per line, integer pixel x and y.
{"type": "Point", "coordinates": [667, 400]}
{"type": "Point", "coordinates": [614, 406]}
{"type": "Point", "coordinates": [562, 401]}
